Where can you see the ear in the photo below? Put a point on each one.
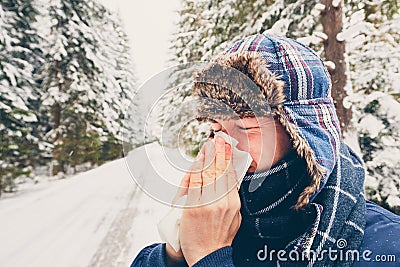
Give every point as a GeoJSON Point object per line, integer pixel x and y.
{"type": "Point", "coordinates": [283, 139]}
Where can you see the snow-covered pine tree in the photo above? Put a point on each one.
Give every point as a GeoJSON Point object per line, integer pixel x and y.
{"type": "Point", "coordinates": [189, 40]}
{"type": "Point", "coordinates": [373, 54]}
{"type": "Point", "coordinates": [82, 93]}
{"type": "Point", "coordinates": [189, 37]}
{"type": "Point", "coordinates": [121, 103]}
{"type": "Point", "coordinates": [19, 56]}
{"type": "Point", "coordinates": [207, 27]}
{"type": "Point", "coordinates": [68, 87]}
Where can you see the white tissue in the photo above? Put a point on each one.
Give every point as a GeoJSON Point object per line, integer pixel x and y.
{"type": "Point", "coordinates": [168, 227]}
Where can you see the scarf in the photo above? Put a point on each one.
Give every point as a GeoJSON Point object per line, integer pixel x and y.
{"type": "Point", "coordinates": [335, 219]}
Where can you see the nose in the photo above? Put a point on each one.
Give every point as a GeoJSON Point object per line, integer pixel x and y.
{"type": "Point", "coordinates": [230, 129]}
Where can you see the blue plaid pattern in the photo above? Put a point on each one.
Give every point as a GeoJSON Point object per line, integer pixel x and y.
{"type": "Point", "coordinates": [308, 105]}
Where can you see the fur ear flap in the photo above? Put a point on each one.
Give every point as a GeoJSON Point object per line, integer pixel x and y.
{"type": "Point", "coordinates": [315, 170]}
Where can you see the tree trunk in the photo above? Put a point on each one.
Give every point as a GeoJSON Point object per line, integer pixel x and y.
{"type": "Point", "coordinates": [56, 110]}
{"type": "Point", "coordinates": [335, 51]}
{"type": "Point", "coordinates": [56, 115]}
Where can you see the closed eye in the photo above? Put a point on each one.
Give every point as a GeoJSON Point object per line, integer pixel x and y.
{"type": "Point", "coordinates": [247, 128]}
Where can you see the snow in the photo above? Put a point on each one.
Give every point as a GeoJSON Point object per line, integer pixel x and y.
{"type": "Point", "coordinates": [281, 27]}
{"type": "Point", "coordinates": [29, 118]}
{"type": "Point", "coordinates": [11, 73]}
{"type": "Point", "coordinates": [336, 3]}
{"type": "Point", "coordinates": [330, 64]}
{"type": "Point", "coordinates": [356, 27]}
{"type": "Point", "coordinates": [351, 139]}
{"type": "Point", "coordinates": [5, 107]}
{"type": "Point", "coordinates": [321, 35]}
{"type": "Point", "coordinates": [308, 40]}
{"type": "Point", "coordinates": [99, 217]}
{"type": "Point", "coordinates": [320, 7]}
{"type": "Point", "coordinates": [393, 201]}
{"type": "Point", "coordinates": [372, 125]}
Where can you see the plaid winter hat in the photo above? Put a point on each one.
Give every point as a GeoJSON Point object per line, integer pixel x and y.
{"type": "Point", "coordinates": [289, 81]}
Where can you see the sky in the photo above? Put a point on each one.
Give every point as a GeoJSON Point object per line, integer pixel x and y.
{"type": "Point", "coordinates": [149, 25]}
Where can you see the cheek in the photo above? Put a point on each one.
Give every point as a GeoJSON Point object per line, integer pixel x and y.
{"type": "Point", "coordinates": [263, 152]}
{"type": "Point", "coordinates": [245, 142]}
{"type": "Point", "coordinates": [261, 149]}
{"type": "Point", "coordinates": [251, 143]}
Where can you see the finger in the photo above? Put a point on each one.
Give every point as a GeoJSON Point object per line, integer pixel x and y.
{"type": "Point", "coordinates": [232, 178]}
{"type": "Point", "coordinates": [228, 154]}
{"type": "Point", "coordinates": [239, 219]}
{"type": "Point", "coordinates": [208, 174]}
{"type": "Point", "coordinates": [183, 188]}
{"type": "Point", "coordinates": [195, 182]}
{"type": "Point", "coordinates": [201, 152]}
{"type": "Point", "coordinates": [220, 164]}
{"type": "Point", "coordinates": [222, 182]}
{"type": "Point", "coordinates": [184, 185]}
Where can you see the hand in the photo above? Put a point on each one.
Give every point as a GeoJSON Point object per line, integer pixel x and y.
{"type": "Point", "coordinates": [173, 257]}
{"type": "Point", "coordinates": [214, 217]}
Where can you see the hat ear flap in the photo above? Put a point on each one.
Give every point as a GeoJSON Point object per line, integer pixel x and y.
{"type": "Point", "coordinates": [303, 149]}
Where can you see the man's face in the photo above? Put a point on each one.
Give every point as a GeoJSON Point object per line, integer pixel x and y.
{"type": "Point", "coordinates": [264, 138]}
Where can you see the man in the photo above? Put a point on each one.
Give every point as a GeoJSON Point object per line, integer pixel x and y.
{"type": "Point", "coordinates": [301, 202]}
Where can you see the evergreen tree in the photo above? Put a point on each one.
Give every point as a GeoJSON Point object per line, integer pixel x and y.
{"type": "Point", "coordinates": [68, 90]}
{"type": "Point", "coordinates": [87, 82]}
{"type": "Point", "coordinates": [19, 55]}
{"type": "Point", "coordinates": [66, 81]}
{"type": "Point", "coordinates": [121, 102]}
{"type": "Point", "coordinates": [372, 37]}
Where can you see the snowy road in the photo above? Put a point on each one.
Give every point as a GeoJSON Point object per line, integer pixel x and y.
{"type": "Point", "coordinates": [97, 218]}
